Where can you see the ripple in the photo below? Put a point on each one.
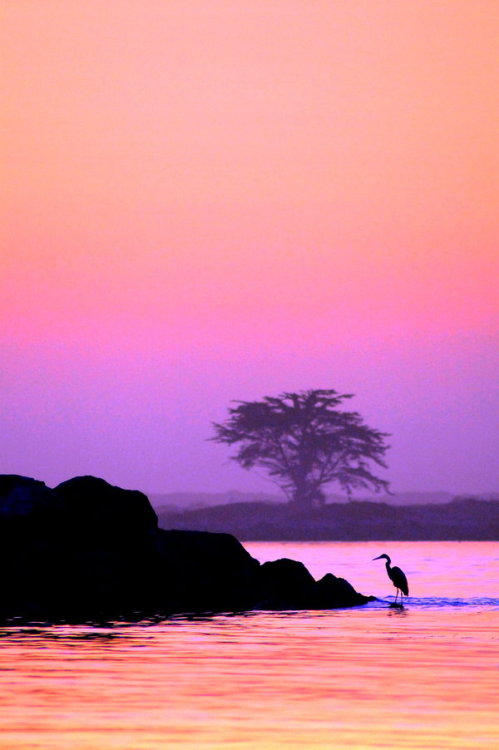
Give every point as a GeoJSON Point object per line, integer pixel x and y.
{"type": "Point", "coordinates": [434, 602]}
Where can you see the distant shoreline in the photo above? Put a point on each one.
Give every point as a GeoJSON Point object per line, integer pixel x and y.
{"type": "Point", "coordinates": [466, 519]}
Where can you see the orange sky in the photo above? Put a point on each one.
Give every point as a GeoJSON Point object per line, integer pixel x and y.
{"type": "Point", "coordinates": [217, 199]}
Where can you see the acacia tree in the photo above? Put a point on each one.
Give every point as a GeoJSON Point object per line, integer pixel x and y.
{"type": "Point", "coordinates": [305, 442]}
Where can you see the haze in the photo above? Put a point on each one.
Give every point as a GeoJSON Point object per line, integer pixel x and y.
{"type": "Point", "coordinates": [216, 200]}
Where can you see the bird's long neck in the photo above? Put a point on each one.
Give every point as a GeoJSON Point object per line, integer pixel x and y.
{"type": "Point", "coordinates": [388, 562]}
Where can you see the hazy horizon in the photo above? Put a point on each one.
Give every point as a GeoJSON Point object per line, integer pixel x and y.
{"type": "Point", "coordinates": [217, 201]}
{"type": "Point", "coordinates": [203, 499]}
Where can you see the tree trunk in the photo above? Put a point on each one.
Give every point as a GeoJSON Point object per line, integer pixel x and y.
{"type": "Point", "coordinates": [306, 497]}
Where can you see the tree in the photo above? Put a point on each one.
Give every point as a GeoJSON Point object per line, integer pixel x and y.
{"type": "Point", "coordinates": [305, 442]}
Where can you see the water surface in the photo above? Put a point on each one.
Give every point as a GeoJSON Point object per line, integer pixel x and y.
{"type": "Point", "coordinates": [370, 677]}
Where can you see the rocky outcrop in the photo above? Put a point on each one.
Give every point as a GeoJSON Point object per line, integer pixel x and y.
{"type": "Point", "coordinates": [88, 550]}
{"type": "Point", "coordinates": [21, 497]}
{"type": "Point", "coordinates": [199, 570]}
{"type": "Point", "coordinates": [287, 584]}
{"type": "Point", "coordinates": [331, 589]}
{"type": "Point", "coordinates": [93, 506]}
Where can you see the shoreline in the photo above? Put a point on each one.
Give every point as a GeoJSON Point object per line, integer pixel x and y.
{"type": "Point", "coordinates": [358, 521]}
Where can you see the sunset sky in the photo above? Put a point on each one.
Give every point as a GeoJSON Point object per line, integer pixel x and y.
{"type": "Point", "coordinates": [207, 200]}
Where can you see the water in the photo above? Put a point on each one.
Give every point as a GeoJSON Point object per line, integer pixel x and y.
{"type": "Point", "coordinates": [371, 677]}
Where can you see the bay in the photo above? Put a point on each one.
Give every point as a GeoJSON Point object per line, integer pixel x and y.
{"type": "Point", "coordinates": [369, 677]}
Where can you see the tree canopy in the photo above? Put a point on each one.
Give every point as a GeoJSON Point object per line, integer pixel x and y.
{"type": "Point", "coordinates": [305, 442]}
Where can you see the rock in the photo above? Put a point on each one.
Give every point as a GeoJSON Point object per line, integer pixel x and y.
{"type": "Point", "coordinates": [108, 542]}
{"type": "Point", "coordinates": [27, 510]}
{"type": "Point", "coordinates": [84, 548]}
{"type": "Point", "coordinates": [94, 506]}
{"type": "Point", "coordinates": [23, 498]}
{"type": "Point", "coordinates": [285, 584]}
{"type": "Point", "coordinates": [207, 571]}
{"type": "Point", "coordinates": [332, 592]}
{"type": "Point", "coordinates": [89, 550]}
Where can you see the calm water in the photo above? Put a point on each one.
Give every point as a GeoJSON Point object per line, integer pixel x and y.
{"type": "Point", "coordinates": [372, 677]}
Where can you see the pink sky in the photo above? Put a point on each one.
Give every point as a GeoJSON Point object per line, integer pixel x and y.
{"type": "Point", "coordinates": [209, 200]}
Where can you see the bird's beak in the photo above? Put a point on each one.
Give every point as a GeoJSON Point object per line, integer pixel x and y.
{"type": "Point", "coordinates": [378, 558]}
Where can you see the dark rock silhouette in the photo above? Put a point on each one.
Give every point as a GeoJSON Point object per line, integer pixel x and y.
{"type": "Point", "coordinates": [87, 551]}
{"type": "Point", "coordinates": [91, 504]}
{"type": "Point", "coordinates": [285, 584]}
{"type": "Point", "coordinates": [22, 497]}
{"type": "Point", "coordinates": [199, 570]}
{"type": "Point", "coordinates": [330, 589]}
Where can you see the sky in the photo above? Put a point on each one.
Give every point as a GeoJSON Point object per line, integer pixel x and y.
{"type": "Point", "coordinates": [215, 200]}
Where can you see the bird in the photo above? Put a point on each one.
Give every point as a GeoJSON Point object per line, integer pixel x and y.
{"type": "Point", "coordinates": [396, 576]}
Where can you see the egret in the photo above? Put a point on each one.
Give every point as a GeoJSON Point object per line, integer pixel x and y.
{"type": "Point", "coordinates": [396, 576]}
